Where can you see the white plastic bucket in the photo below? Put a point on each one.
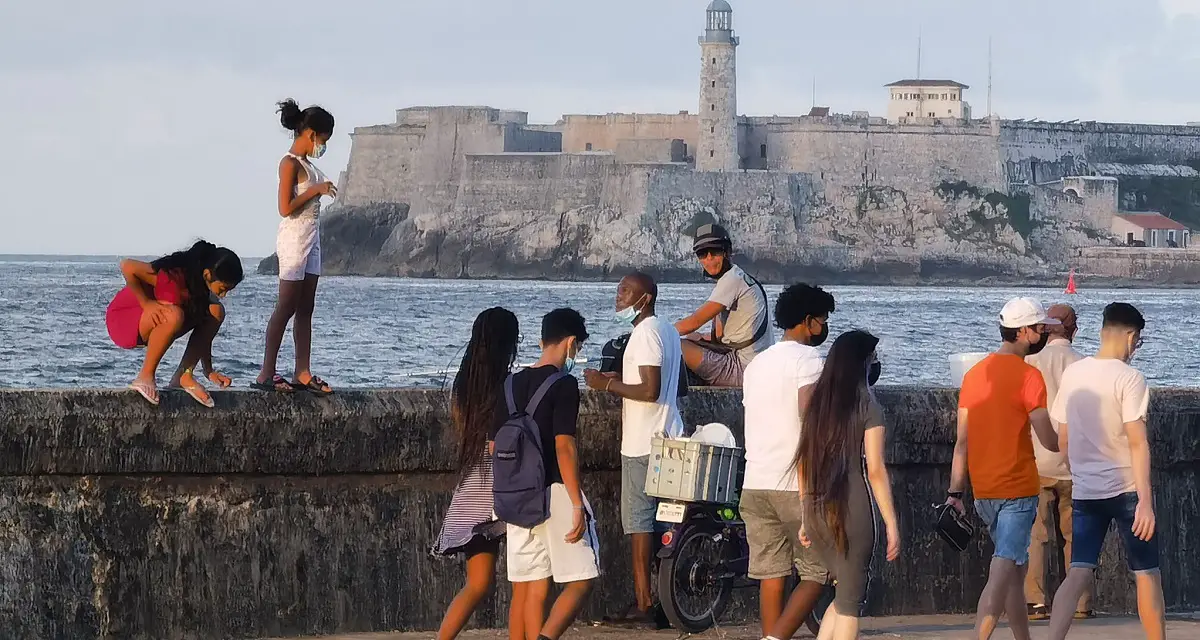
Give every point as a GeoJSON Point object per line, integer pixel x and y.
{"type": "Point", "coordinates": [961, 363]}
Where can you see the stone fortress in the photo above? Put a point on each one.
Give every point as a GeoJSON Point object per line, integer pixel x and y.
{"type": "Point", "coordinates": [927, 194]}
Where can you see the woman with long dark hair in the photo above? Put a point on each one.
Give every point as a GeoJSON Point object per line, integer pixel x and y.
{"type": "Point", "coordinates": [298, 246]}
{"type": "Point", "coordinates": [842, 475]}
{"type": "Point", "coordinates": [166, 298]}
{"type": "Point", "coordinates": [477, 407]}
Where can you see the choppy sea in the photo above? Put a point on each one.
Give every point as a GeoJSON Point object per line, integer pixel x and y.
{"type": "Point", "coordinates": [395, 332]}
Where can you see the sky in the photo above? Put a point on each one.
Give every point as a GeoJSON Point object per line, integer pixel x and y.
{"type": "Point", "coordinates": [133, 127]}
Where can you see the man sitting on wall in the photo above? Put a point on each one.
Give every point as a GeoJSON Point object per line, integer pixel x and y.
{"type": "Point", "coordinates": [737, 308]}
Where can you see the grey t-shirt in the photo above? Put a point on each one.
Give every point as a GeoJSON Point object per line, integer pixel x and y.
{"type": "Point", "coordinates": [745, 310]}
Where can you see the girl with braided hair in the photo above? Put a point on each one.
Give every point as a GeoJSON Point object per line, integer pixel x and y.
{"type": "Point", "coordinates": [164, 299]}
{"type": "Point", "coordinates": [477, 407]}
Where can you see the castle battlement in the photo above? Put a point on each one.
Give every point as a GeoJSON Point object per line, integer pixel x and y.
{"type": "Point", "coordinates": [837, 192]}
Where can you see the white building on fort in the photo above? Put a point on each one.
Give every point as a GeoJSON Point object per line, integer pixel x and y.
{"type": "Point", "coordinates": [914, 99]}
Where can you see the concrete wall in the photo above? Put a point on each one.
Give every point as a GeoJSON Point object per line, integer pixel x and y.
{"type": "Point", "coordinates": [274, 516]}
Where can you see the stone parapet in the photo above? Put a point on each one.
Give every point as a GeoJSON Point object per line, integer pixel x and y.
{"type": "Point", "coordinates": [274, 515]}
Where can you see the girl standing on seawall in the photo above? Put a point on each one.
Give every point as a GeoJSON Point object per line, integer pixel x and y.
{"type": "Point", "coordinates": [842, 473]}
{"type": "Point", "coordinates": [164, 299]}
{"type": "Point", "coordinates": [477, 405]}
{"type": "Point", "coordinates": [298, 246]}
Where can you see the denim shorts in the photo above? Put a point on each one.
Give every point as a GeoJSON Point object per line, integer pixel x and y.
{"type": "Point", "coordinates": [1090, 521]}
{"type": "Point", "coordinates": [1010, 524]}
{"type": "Point", "coordinates": [638, 510]}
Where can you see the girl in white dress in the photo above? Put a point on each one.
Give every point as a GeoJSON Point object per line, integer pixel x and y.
{"type": "Point", "coordinates": [298, 246]}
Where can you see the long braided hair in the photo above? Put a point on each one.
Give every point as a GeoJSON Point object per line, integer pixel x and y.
{"type": "Point", "coordinates": [839, 404]}
{"type": "Point", "coordinates": [478, 389]}
{"type": "Point", "coordinates": [222, 263]}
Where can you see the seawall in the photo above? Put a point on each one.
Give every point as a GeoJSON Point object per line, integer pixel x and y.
{"type": "Point", "coordinates": [275, 516]}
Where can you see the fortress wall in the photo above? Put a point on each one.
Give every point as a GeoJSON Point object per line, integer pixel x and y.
{"type": "Point", "coordinates": [452, 134]}
{"type": "Point", "coordinates": [285, 516]}
{"type": "Point", "coordinates": [650, 150]}
{"type": "Point", "coordinates": [1163, 266]}
{"type": "Point", "coordinates": [383, 161]}
{"type": "Point", "coordinates": [537, 183]}
{"type": "Point", "coordinates": [518, 139]}
{"type": "Point", "coordinates": [1042, 152]}
{"type": "Point", "coordinates": [605, 131]}
{"type": "Point", "coordinates": [908, 158]}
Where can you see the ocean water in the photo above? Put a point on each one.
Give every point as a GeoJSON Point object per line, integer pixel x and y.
{"type": "Point", "coordinates": [395, 332]}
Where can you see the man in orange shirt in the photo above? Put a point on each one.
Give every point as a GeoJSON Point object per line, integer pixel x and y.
{"type": "Point", "coordinates": [1001, 398]}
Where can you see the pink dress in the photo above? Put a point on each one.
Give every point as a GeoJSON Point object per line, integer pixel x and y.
{"type": "Point", "coordinates": [124, 314]}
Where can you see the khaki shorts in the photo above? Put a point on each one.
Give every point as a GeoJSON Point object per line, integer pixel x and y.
{"type": "Point", "coordinates": [773, 520]}
{"type": "Point", "coordinates": [543, 551]}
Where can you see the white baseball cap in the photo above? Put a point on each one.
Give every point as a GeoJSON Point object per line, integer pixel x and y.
{"type": "Point", "coordinates": [1024, 312]}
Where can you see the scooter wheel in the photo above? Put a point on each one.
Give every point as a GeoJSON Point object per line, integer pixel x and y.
{"type": "Point", "coordinates": [693, 585]}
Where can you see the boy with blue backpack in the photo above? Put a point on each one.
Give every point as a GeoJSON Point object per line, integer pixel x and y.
{"type": "Point", "coordinates": [536, 489]}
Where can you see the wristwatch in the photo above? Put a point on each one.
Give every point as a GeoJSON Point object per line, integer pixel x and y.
{"type": "Point", "coordinates": [957, 495]}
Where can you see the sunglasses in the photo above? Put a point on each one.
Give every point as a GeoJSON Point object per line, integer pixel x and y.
{"type": "Point", "coordinates": [704, 253]}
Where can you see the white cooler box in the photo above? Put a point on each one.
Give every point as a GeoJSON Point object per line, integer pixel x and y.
{"type": "Point", "coordinates": [692, 471]}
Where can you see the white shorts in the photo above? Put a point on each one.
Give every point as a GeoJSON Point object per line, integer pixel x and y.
{"type": "Point", "coordinates": [543, 552]}
{"type": "Point", "coordinates": [298, 247]}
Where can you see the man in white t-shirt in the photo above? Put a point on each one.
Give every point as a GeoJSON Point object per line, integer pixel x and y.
{"type": "Point", "coordinates": [1053, 472]}
{"type": "Point", "coordinates": [1101, 411]}
{"type": "Point", "coordinates": [648, 385]}
{"type": "Point", "coordinates": [737, 308]}
{"type": "Point", "coordinates": [775, 389]}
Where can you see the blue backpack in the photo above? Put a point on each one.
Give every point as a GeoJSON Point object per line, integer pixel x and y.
{"type": "Point", "coordinates": [518, 469]}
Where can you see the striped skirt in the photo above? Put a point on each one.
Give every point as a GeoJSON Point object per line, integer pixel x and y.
{"type": "Point", "coordinates": [470, 514]}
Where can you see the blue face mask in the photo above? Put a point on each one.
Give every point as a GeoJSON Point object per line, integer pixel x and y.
{"type": "Point", "coordinates": [569, 365]}
{"type": "Point", "coordinates": [318, 151]}
{"type": "Point", "coordinates": [630, 313]}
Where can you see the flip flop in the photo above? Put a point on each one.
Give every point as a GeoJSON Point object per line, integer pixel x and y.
{"type": "Point", "coordinates": [315, 386]}
{"type": "Point", "coordinates": [194, 391]}
{"type": "Point", "coordinates": [146, 390]}
{"type": "Point", "coordinates": [277, 385]}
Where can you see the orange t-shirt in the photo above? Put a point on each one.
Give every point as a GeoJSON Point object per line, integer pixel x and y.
{"type": "Point", "coordinates": [999, 393]}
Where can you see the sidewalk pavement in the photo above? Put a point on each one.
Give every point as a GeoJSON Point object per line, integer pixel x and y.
{"type": "Point", "coordinates": [955, 627]}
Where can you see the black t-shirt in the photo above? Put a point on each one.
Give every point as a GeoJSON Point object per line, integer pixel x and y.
{"type": "Point", "coordinates": [557, 415]}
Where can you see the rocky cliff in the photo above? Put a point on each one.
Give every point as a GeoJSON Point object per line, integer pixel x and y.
{"type": "Point", "coordinates": [543, 217]}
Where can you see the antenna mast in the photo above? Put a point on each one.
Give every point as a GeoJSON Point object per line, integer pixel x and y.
{"type": "Point", "coordinates": [918, 53]}
{"type": "Point", "coordinates": [989, 106]}
{"type": "Point", "coordinates": [920, 90]}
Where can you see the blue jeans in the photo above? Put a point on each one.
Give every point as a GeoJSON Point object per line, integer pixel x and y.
{"type": "Point", "coordinates": [638, 510]}
{"type": "Point", "coordinates": [1010, 524]}
{"type": "Point", "coordinates": [1090, 521]}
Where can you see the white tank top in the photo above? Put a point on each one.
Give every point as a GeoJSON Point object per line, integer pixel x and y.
{"type": "Point", "coordinates": [313, 177]}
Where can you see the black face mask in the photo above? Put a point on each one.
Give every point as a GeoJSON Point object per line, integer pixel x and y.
{"type": "Point", "coordinates": [1039, 345]}
{"type": "Point", "coordinates": [818, 339]}
{"type": "Point", "coordinates": [873, 373]}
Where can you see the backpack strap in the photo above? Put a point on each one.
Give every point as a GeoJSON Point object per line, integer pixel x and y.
{"type": "Point", "coordinates": [543, 390]}
{"type": "Point", "coordinates": [762, 326]}
{"type": "Point", "coordinates": [508, 395]}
